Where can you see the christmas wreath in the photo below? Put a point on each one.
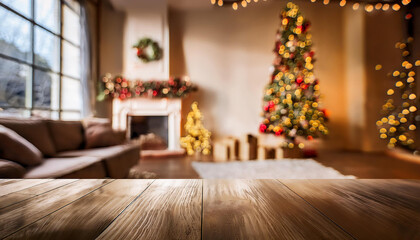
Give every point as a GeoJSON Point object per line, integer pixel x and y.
{"type": "Point", "coordinates": [148, 50]}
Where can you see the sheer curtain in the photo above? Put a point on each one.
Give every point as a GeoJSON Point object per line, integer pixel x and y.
{"type": "Point", "coordinates": [86, 61]}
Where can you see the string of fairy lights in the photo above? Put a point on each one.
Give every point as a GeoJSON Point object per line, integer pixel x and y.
{"type": "Point", "coordinates": [356, 5]}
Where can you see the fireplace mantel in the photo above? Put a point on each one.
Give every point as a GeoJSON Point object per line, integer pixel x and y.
{"type": "Point", "coordinates": [150, 107]}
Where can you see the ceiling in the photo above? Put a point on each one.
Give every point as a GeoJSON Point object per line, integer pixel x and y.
{"type": "Point", "coordinates": [205, 4]}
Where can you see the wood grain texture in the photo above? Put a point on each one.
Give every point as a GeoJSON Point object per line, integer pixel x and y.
{"type": "Point", "coordinates": [368, 209]}
{"type": "Point", "coordinates": [19, 196]}
{"type": "Point", "coordinates": [16, 185]}
{"type": "Point", "coordinates": [261, 209]}
{"type": "Point", "coordinates": [87, 217]}
{"type": "Point", "coordinates": [19, 215]}
{"type": "Point", "coordinates": [168, 209]}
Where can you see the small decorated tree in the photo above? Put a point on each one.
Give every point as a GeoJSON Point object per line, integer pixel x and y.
{"type": "Point", "coordinates": [198, 137]}
{"type": "Point", "coordinates": [398, 123]}
{"type": "Point", "coordinates": [291, 98]}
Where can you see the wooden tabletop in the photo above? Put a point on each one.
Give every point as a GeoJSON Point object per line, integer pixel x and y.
{"type": "Point", "coordinates": [209, 209]}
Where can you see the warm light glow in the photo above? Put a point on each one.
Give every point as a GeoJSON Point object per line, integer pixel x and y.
{"type": "Point", "coordinates": [213, 2]}
{"type": "Point", "coordinates": [378, 67]}
{"type": "Point", "coordinates": [385, 7]}
{"type": "Point", "coordinates": [244, 3]}
{"type": "Point", "coordinates": [406, 2]}
{"type": "Point", "coordinates": [378, 6]}
{"type": "Point", "coordinates": [396, 7]}
{"type": "Point", "coordinates": [326, 2]}
{"type": "Point", "coordinates": [220, 3]}
{"type": "Point", "coordinates": [235, 6]}
{"type": "Point", "coordinates": [369, 8]}
{"type": "Point", "coordinates": [343, 3]}
{"type": "Point", "coordinates": [356, 6]}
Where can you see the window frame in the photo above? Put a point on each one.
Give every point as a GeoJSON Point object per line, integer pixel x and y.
{"type": "Point", "coordinates": [29, 108]}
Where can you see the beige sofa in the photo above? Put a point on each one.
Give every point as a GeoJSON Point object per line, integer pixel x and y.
{"type": "Point", "coordinates": [62, 144]}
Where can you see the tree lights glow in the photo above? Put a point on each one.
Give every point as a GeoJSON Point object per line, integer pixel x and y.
{"type": "Point", "coordinates": [399, 121]}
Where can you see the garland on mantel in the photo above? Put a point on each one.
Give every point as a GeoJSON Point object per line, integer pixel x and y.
{"type": "Point", "coordinates": [120, 87]}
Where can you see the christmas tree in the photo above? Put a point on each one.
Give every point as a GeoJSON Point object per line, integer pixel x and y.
{"type": "Point", "coordinates": [398, 123]}
{"type": "Point", "coordinates": [198, 138]}
{"type": "Point", "coordinates": [291, 98]}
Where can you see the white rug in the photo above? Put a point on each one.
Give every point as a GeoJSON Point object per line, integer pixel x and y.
{"type": "Point", "coordinates": [268, 169]}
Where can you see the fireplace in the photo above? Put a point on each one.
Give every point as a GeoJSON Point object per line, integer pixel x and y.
{"type": "Point", "coordinates": [145, 115]}
{"type": "Point", "coordinates": [144, 125]}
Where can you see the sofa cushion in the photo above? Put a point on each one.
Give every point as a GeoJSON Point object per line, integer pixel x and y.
{"type": "Point", "coordinates": [66, 135]}
{"type": "Point", "coordinates": [58, 167]}
{"type": "Point", "coordinates": [15, 148]}
{"type": "Point", "coordinates": [33, 130]}
{"type": "Point", "coordinates": [118, 159]}
{"type": "Point", "coordinates": [10, 169]}
{"type": "Point", "coordinates": [99, 152]}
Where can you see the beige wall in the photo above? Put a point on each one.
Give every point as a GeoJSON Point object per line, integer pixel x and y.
{"type": "Point", "coordinates": [228, 54]}
{"type": "Point", "coordinates": [145, 20]}
{"type": "Point", "coordinates": [110, 48]}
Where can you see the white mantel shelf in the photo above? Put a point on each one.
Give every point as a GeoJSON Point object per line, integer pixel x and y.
{"type": "Point", "coordinates": [150, 107]}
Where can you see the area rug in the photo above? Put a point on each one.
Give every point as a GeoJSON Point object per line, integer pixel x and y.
{"type": "Point", "coordinates": [268, 169]}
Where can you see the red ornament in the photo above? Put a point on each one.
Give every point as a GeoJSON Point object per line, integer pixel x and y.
{"type": "Point", "coordinates": [279, 132]}
{"type": "Point", "coordinates": [326, 112]}
{"type": "Point", "coordinates": [310, 137]}
{"type": "Point", "coordinates": [171, 81]}
{"type": "Point", "coordinates": [263, 127]}
{"type": "Point", "coordinates": [299, 80]}
{"type": "Point", "coordinates": [139, 52]}
{"type": "Point", "coordinates": [155, 93]}
{"type": "Point", "coordinates": [304, 86]}
{"type": "Point", "coordinates": [312, 53]}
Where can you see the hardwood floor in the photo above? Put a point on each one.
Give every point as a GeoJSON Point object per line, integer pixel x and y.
{"type": "Point", "coordinates": [211, 209]}
{"type": "Point", "coordinates": [361, 165]}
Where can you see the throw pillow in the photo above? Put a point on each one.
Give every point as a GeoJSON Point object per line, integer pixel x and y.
{"type": "Point", "coordinates": [99, 133]}
{"type": "Point", "coordinates": [33, 130]}
{"type": "Point", "coordinates": [66, 135]}
{"type": "Point", "coordinates": [10, 169]}
{"type": "Point", "coordinates": [15, 148]}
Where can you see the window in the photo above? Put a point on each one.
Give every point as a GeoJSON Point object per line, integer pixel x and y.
{"type": "Point", "coordinates": [40, 58]}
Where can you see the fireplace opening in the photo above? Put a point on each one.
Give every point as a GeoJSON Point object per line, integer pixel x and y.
{"type": "Point", "coordinates": [152, 131]}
